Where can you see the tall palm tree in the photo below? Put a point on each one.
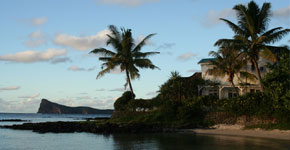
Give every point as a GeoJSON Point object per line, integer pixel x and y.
{"type": "Point", "coordinates": [251, 34]}
{"type": "Point", "coordinates": [228, 62]}
{"type": "Point", "coordinates": [125, 54]}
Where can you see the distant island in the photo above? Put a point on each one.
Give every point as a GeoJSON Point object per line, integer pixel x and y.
{"type": "Point", "coordinates": [48, 107]}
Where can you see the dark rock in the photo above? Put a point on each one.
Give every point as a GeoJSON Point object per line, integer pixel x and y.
{"type": "Point", "coordinates": [47, 107]}
{"type": "Point", "coordinates": [14, 120]}
{"type": "Point", "coordinates": [90, 127]}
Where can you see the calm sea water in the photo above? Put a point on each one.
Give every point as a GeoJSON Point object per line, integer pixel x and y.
{"type": "Point", "coordinates": [28, 140]}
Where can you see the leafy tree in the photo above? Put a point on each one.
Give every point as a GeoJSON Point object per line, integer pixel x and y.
{"type": "Point", "coordinates": [228, 62]}
{"type": "Point", "coordinates": [251, 34]}
{"type": "Point", "coordinates": [125, 55]}
{"type": "Point", "coordinates": [277, 82]}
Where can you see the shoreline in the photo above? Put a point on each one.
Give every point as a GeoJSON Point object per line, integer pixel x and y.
{"type": "Point", "coordinates": [237, 130]}
{"type": "Point", "coordinates": [111, 128]}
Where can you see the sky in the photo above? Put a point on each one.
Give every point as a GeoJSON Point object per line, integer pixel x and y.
{"type": "Point", "coordinates": [45, 45]}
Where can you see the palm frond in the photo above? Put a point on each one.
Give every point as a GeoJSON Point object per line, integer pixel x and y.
{"type": "Point", "coordinates": [248, 76]}
{"type": "Point", "coordinates": [143, 42]}
{"type": "Point", "coordinates": [103, 51]}
{"type": "Point", "coordinates": [264, 17]}
{"type": "Point", "coordinates": [143, 55]}
{"type": "Point", "coordinates": [267, 53]}
{"type": "Point", "coordinates": [276, 36]}
{"type": "Point", "coordinates": [145, 63]}
{"type": "Point", "coordinates": [234, 27]}
{"type": "Point", "coordinates": [114, 42]}
{"type": "Point", "coordinates": [222, 42]}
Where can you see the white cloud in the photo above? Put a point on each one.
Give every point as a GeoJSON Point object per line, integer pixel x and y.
{"type": "Point", "coordinates": [102, 89]}
{"type": "Point", "coordinates": [213, 17]}
{"type": "Point", "coordinates": [76, 68]}
{"type": "Point", "coordinates": [186, 56]}
{"type": "Point", "coordinates": [30, 56]}
{"type": "Point", "coordinates": [10, 88]}
{"type": "Point", "coordinates": [166, 46]}
{"type": "Point", "coordinates": [38, 21]}
{"type": "Point", "coordinates": [130, 3]}
{"type": "Point", "coordinates": [116, 70]}
{"type": "Point", "coordinates": [82, 43]}
{"type": "Point", "coordinates": [282, 12]}
{"type": "Point", "coordinates": [83, 97]}
{"type": "Point", "coordinates": [30, 97]}
{"type": "Point", "coordinates": [117, 90]}
{"type": "Point", "coordinates": [141, 38]}
{"type": "Point", "coordinates": [60, 60]}
{"type": "Point", "coordinates": [36, 39]}
{"type": "Point", "coordinates": [282, 15]}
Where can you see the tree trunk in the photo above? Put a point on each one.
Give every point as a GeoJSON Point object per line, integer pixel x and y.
{"type": "Point", "coordinates": [259, 74]}
{"type": "Point", "coordinates": [231, 80]}
{"type": "Point", "coordinates": [237, 91]}
{"type": "Point", "coordinates": [129, 82]}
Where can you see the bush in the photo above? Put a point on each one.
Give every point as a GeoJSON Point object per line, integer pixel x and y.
{"type": "Point", "coordinates": [121, 103]}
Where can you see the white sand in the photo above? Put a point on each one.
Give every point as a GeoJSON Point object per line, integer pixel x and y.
{"type": "Point", "coordinates": [237, 130]}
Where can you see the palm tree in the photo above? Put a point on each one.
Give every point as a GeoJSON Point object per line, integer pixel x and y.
{"type": "Point", "coordinates": [125, 55]}
{"type": "Point", "coordinates": [228, 61]}
{"type": "Point", "coordinates": [251, 33]}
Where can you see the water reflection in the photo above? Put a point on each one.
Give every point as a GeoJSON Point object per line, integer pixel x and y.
{"type": "Point", "coordinates": [197, 142]}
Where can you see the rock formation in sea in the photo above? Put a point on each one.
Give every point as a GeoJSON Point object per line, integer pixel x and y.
{"type": "Point", "coordinates": [47, 107]}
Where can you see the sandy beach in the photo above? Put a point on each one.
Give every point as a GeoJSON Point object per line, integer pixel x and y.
{"type": "Point", "coordinates": [237, 130]}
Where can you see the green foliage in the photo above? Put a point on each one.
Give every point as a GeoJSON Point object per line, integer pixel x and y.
{"type": "Point", "coordinates": [280, 126]}
{"type": "Point", "coordinates": [126, 54]}
{"type": "Point", "coordinates": [121, 104]}
{"type": "Point", "coordinates": [177, 88]}
{"type": "Point", "coordinates": [248, 104]}
{"type": "Point", "coordinates": [277, 85]}
{"type": "Point", "coordinates": [251, 35]}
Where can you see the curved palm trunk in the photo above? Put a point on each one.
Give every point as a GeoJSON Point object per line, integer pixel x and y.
{"type": "Point", "coordinates": [129, 82]}
{"type": "Point", "coordinates": [237, 91]}
{"type": "Point", "coordinates": [259, 74]}
{"type": "Point", "coordinates": [231, 80]}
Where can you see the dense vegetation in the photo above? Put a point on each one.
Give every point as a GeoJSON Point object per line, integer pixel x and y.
{"type": "Point", "coordinates": [176, 105]}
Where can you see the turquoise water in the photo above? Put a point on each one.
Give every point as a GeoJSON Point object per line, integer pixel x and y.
{"type": "Point", "coordinates": [28, 140]}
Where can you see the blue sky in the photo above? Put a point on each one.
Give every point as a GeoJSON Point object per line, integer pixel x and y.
{"type": "Point", "coordinates": [45, 44]}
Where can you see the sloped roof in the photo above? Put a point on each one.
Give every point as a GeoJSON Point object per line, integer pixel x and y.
{"type": "Point", "coordinates": [205, 60]}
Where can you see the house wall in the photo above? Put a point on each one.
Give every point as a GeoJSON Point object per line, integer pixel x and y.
{"type": "Point", "coordinates": [237, 79]}
{"type": "Point", "coordinates": [225, 90]}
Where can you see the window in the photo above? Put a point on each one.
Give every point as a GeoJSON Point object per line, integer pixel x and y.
{"type": "Point", "coordinates": [262, 69]}
{"type": "Point", "coordinates": [252, 91]}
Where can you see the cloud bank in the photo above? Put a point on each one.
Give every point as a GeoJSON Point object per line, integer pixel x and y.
{"type": "Point", "coordinates": [82, 43]}
{"type": "Point", "coordinates": [36, 39]}
{"type": "Point", "coordinates": [213, 17]}
{"type": "Point", "coordinates": [186, 56]}
{"type": "Point", "coordinates": [10, 88]}
{"type": "Point", "coordinates": [30, 56]}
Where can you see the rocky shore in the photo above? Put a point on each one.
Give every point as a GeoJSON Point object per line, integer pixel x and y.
{"type": "Point", "coordinates": [88, 126]}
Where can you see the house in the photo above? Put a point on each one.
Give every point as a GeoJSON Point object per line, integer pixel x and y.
{"type": "Point", "coordinates": [224, 89]}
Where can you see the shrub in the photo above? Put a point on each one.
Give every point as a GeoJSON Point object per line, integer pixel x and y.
{"type": "Point", "coordinates": [121, 103]}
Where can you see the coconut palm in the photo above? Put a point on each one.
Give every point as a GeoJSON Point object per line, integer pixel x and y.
{"type": "Point", "coordinates": [125, 55]}
{"type": "Point", "coordinates": [228, 61]}
{"type": "Point", "coordinates": [251, 34]}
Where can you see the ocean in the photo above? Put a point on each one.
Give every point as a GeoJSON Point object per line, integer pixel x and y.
{"type": "Point", "coordinates": [28, 140]}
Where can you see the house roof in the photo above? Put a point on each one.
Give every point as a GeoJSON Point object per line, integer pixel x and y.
{"type": "Point", "coordinates": [205, 60]}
